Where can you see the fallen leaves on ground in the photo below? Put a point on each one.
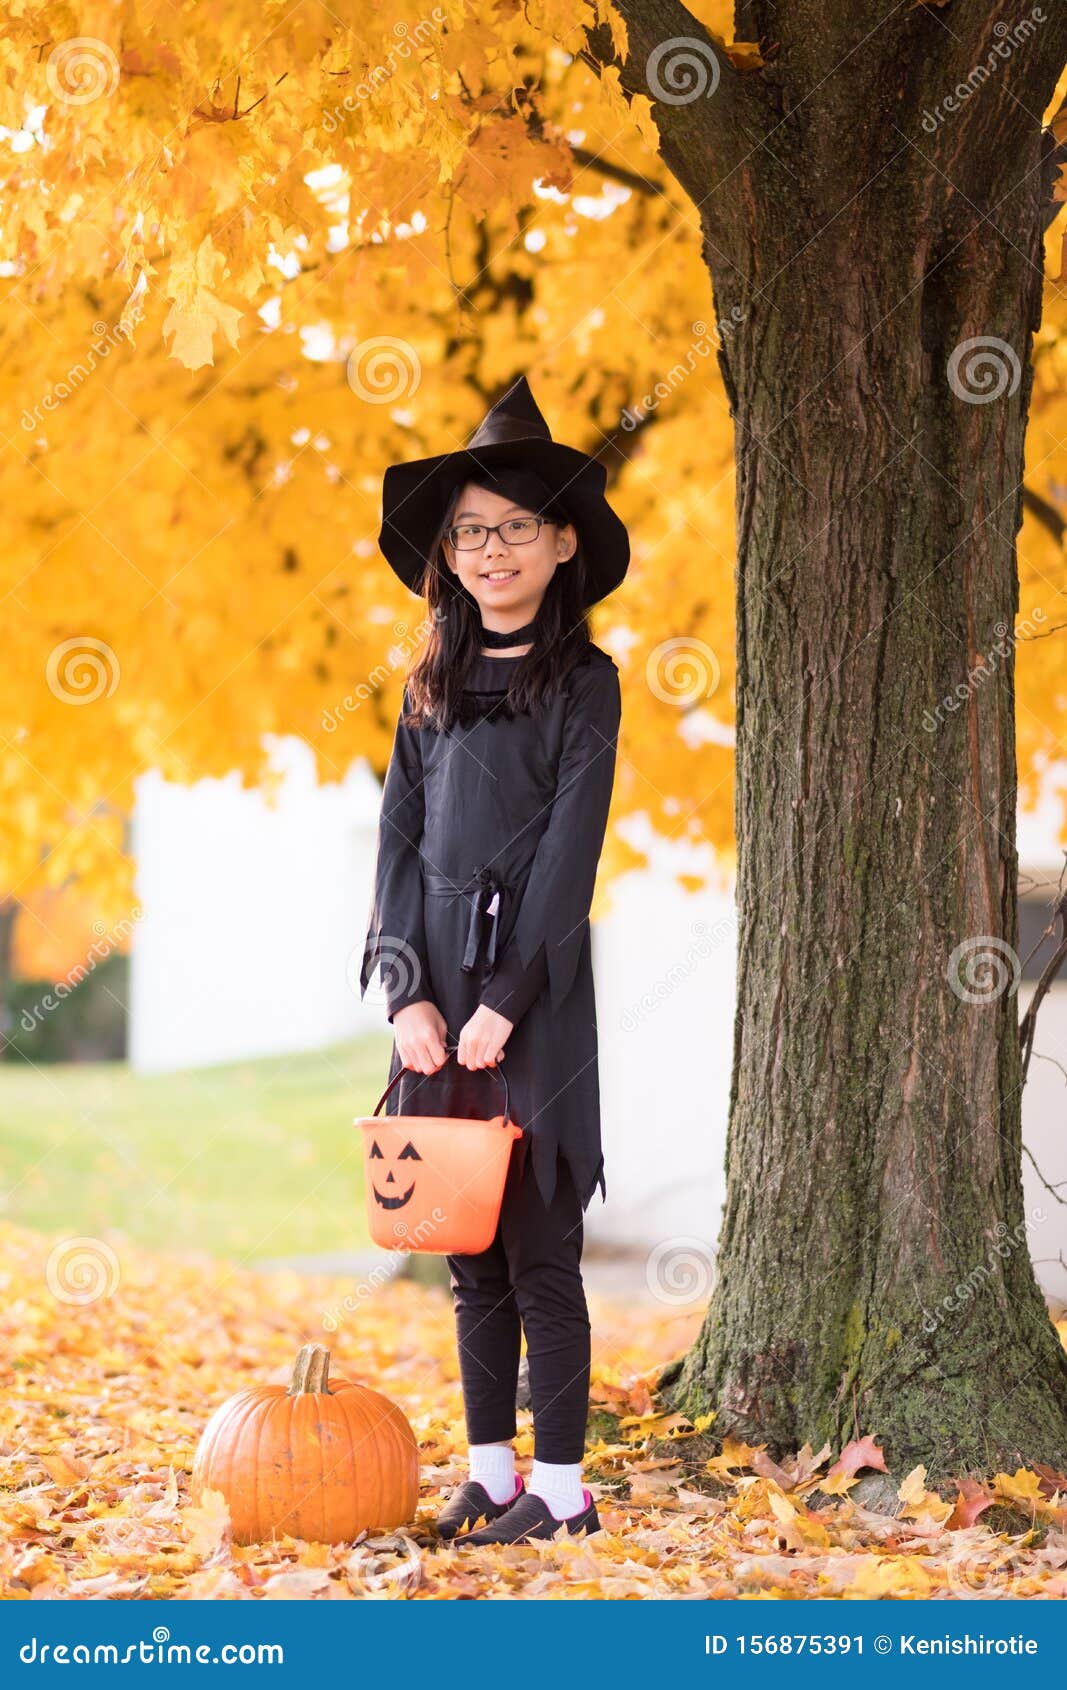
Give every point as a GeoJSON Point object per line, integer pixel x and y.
{"type": "Point", "coordinates": [104, 1401]}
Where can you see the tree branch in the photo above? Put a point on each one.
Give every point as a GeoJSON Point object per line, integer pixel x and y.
{"type": "Point", "coordinates": [616, 449]}
{"type": "Point", "coordinates": [709, 114]}
{"type": "Point", "coordinates": [1046, 513]}
{"type": "Point", "coordinates": [1028, 1024]}
{"type": "Point", "coordinates": [617, 172]}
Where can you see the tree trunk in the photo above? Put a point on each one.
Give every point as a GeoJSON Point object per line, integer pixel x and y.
{"type": "Point", "coordinates": [874, 1259]}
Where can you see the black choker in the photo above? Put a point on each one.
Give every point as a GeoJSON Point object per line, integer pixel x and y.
{"type": "Point", "coordinates": [496, 641]}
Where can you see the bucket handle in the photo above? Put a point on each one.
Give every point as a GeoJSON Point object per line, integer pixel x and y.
{"type": "Point", "coordinates": [497, 1068]}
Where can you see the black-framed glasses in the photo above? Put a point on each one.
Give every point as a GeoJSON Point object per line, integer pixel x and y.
{"type": "Point", "coordinates": [516, 531]}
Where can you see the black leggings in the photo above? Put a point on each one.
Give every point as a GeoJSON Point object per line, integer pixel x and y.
{"type": "Point", "coordinates": [529, 1273]}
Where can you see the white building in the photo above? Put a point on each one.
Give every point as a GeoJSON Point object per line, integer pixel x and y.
{"type": "Point", "coordinates": [252, 906]}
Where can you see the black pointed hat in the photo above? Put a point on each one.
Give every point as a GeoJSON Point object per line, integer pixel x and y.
{"type": "Point", "coordinates": [415, 495]}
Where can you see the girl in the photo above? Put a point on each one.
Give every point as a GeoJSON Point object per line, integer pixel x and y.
{"type": "Point", "coordinates": [493, 816]}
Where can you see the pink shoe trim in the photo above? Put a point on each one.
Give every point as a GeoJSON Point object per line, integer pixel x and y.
{"type": "Point", "coordinates": [587, 1499]}
{"type": "Point", "coordinates": [519, 1486]}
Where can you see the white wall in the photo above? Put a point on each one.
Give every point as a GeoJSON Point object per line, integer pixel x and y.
{"type": "Point", "coordinates": [1045, 1135]}
{"type": "Point", "coordinates": [254, 914]}
{"type": "Point", "coordinates": [1045, 1093]}
{"type": "Point", "coordinates": [664, 970]}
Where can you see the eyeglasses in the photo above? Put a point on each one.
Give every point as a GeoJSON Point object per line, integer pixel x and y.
{"type": "Point", "coordinates": [517, 531]}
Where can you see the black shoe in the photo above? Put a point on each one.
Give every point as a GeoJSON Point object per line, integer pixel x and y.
{"type": "Point", "coordinates": [528, 1517]}
{"type": "Point", "coordinates": [469, 1502]}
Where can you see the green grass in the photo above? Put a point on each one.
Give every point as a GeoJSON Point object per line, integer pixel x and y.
{"type": "Point", "coordinates": [244, 1160]}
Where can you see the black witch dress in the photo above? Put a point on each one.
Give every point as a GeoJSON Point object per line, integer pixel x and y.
{"type": "Point", "coordinates": [488, 844]}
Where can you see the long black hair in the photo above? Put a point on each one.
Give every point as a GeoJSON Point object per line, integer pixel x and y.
{"type": "Point", "coordinates": [561, 627]}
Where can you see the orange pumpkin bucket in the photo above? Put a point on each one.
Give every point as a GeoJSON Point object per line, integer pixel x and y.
{"type": "Point", "coordinates": [435, 1182]}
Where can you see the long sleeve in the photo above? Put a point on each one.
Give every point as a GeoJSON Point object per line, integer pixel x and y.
{"type": "Point", "coordinates": [553, 916]}
{"type": "Point", "coordinates": [396, 936]}
{"type": "Point", "coordinates": [512, 988]}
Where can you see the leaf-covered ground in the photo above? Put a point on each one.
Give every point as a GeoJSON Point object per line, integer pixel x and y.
{"type": "Point", "coordinates": [103, 1402]}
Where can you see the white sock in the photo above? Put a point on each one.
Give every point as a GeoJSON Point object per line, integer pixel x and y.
{"type": "Point", "coordinates": [558, 1484]}
{"type": "Point", "coordinates": [493, 1465]}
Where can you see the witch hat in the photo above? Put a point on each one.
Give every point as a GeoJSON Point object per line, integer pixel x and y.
{"type": "Point", "coordinates": [415, 495]}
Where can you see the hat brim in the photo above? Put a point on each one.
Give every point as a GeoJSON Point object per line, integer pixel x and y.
{"type": "Point", "coordinates": [415, 497]}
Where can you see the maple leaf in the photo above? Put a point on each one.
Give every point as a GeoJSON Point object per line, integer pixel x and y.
{"type": "Point", "coordinates": [65, 1467]}
{"type": "Point", "coordinates": [798, 1525]}
{"type": "Point", "coordinates": [733, 1454]}
{"type": "Point", "coordinates": [208, 1523]}
{"type": "Point", "coordinates": [861, 1452]}
{"type": "Point", "coordinates": [797, 1473]}
{"type": "Point", "coordinates": [918, 1500]}
{"type": "Point", "coordinates": [973, 1499]}
{"type": "Point", "coordinates": [198, 314]}
{"type": "Point", "coordinates": [1052, 1481]}
{"type": "Point", "coordinates": [1023, 1486]}
{"type": "Point", "coordinates": [297, 1582]}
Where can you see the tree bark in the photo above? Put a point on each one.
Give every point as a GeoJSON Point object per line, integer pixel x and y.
{"type": "Point", "coordinates": [874, 1260]}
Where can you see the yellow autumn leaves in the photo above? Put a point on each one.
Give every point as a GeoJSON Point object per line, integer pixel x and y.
{"type": "Point", "coordinates": [258, 253]}
{"type": "Point", "coordinates": [109, 1394]}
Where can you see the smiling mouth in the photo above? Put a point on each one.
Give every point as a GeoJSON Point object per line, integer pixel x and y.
{"type": "Point", "coordinates": [393, 1202]}
{"type": "Point", "coordinates": [499, 574]}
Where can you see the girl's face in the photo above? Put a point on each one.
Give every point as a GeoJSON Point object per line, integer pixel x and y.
{"type": "Point", "coordinates": [508, 581]}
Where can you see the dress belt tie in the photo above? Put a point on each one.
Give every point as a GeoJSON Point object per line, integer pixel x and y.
{"type": "Point", "coordinates": [483, 889]}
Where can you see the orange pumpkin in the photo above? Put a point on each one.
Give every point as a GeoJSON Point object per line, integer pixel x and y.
{"type": "Point", "coordinates": [325, 1459]}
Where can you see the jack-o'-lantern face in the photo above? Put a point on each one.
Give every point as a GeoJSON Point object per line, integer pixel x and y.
{"type": "Point", "coordinates": [394, 1199]}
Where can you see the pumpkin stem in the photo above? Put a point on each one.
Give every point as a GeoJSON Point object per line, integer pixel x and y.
{"type": "Point", "coordinates": [312, 1370]}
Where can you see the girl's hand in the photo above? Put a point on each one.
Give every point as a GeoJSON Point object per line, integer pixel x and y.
{"type": "Point", "coordinates": [482, 1040]}
{"type": "Point", "coordinates": [419, 1031]}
